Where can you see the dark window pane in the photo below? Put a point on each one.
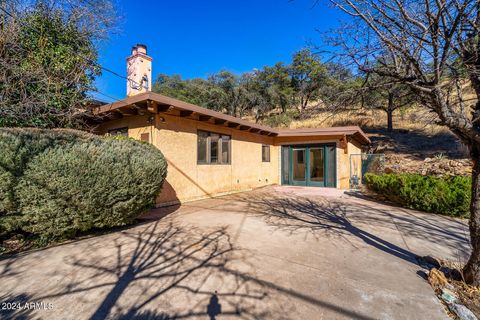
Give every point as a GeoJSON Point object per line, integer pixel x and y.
{"type": "Point", "coordinates": [214, 138]}
{"type": "Point", "coordinates": [225, 149]}
{"type": "Point", "coordinates": [299, 157]}
{"type": "Point", "coordinates": [285, 164]}
{"type": "Point", "coordinates": [298, 165]}
{"type": "Point", "coordinates": [202, 147]}
{"type": "Point", "coordinates": [331, 174]}
{"type": "Point", "coordinates": [316, 165]}
{"type": "Point", "coordinates": [265, 153]}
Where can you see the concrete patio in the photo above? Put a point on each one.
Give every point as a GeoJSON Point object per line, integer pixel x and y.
{"type": "Point", "coordinates": [273, 253]}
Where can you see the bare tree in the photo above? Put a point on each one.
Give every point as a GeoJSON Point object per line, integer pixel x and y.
{"type": "Point", "coordinates": [432, 46]}
{"type": "Point", "coordinates": [376, 93]}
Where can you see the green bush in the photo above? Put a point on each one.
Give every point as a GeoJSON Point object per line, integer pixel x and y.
{"type": "Point", "coordinates": [448, 195]}
{"type": "Point", "coordinates": [55, 183]}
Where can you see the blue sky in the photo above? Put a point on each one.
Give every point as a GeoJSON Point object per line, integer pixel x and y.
{"type": "Point", "coordinates": [197, 38]}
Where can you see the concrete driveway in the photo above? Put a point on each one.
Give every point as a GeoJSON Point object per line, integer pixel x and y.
{"type": "Point", "coordinates": [274, 253]}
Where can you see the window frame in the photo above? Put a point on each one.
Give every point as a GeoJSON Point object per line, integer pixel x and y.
{"type": "Point", "coordinates": [266, 159]}
{"type": "Point", "coordinates": [208, 150]}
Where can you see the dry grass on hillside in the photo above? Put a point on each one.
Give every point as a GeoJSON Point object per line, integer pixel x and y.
{"type": "Point", "coordinates": [417, 143]}
{"type": "Point", "coordinates": [413, 119]}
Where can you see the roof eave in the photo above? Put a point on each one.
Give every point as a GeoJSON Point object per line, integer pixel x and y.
{"type": "Point", "coordinates": [237, 123]}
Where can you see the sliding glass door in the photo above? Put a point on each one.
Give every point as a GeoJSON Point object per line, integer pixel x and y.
{"type": "Point", "coordinates": [309, 165]}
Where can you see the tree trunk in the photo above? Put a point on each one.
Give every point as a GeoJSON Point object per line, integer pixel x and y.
{"type": "Point", "coordinates": [390, 109]}
{"type": "Point", "coordinates": [471, 270]}
{"type": "Point", "coordinates": [301, 104]}
{"type": "Point", "coordinates": [389, 120]}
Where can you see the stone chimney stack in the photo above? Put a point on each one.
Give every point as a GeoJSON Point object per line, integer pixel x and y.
{"type": "Point", "coordinates": [139, 71]}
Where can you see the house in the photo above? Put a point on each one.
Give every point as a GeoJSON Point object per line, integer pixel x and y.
{"type": "Point", "coordinates": [210, 153]}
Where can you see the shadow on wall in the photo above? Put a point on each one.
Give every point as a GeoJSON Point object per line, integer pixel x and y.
{"type": "Point", "coordinates": [168, 193]}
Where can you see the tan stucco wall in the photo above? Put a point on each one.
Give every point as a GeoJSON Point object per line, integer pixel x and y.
{"type": "Point", "coordinates": [355, 158]}
{"type": "Point", "coordinates": [345, 161]}
{"type": "Point", "coordinates": [176, 137]}
{"type": "Point", "coordinates": [186, 180]}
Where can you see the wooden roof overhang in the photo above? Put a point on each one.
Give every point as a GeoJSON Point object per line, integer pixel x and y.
{"type": "Point", "coordinates": [154, 103]}
{"type": "Point", "coordinates": [351, 131]}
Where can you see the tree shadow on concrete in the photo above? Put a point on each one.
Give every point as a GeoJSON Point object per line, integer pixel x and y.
{"type": "Point", "coordinates": [447, 231]}
{"type": "Point", "coordinates": [175, 264]}
{"type": "Point", "coordinates": [320, 216]}
{"type": "Point", "coordinates": [13, 307]}
{"type": "Point", "coordinates": [145, 315]}
{"type": "Point", "coordinates": [165, 270]}
{"type": "Point", "coordinates": [8, 268]}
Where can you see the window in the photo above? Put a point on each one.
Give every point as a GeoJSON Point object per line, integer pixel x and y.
{"type": "Point", "coordinates": [119, 132]}
{"type": "Point", "coordinates": [213, 148]}
{"type": "Point", "coordinates": [145, 137]}
{"type": "Point", "coordinates": [265, 153]}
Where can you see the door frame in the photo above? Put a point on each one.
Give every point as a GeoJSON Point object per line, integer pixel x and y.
{"type": "Point", "coordinates": [306, 160]}
{"type": "Point", "coordinates": [307, 181]}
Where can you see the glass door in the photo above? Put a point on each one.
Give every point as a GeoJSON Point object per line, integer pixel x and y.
{"type": "Point", "coordinates": [331, 166]}
{"type": "Point", "coordinates": [310, 165]}
{"type": "Point", "coordinates": [285, 165]}
{"type": "Point", "coordinates": [316, 168]}
{"type": "Point", "coordinates": [299, 166]}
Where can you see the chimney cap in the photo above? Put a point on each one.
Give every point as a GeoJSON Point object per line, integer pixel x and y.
{"type": "Point", "coordinates": [139, 48]}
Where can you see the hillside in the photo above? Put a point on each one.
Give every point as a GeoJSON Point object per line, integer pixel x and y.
{"type": "Point", "coordinates": [416, 145]}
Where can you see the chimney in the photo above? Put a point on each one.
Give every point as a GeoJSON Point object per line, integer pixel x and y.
{"type": "Point", "coordinates": [139, 71]}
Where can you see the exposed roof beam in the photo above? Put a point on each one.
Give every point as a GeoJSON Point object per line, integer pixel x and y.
{"type": "Point", "coordinates": [115, 114]}
{"type": "Point", "coordinates": [140, 110]}
{"type": "Point", "coordinates": [204, 118]}
{"type": "Point", "coordinates": [152, 107]}
{"type": "Point", "coordinates": [244, 128]}
{"type": "Point", "coordinates": [220, 121]}
{"type": "Point", "coordinates": [163, 108]}
{"type": "Point", "coordinates": [254, 130]}
{"type": "Point", "coordinates": [232, 125]}
{"type": "Point", "coordinates": [186, 113]}
{"type": "Point", "coordinates": [128, 112]}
